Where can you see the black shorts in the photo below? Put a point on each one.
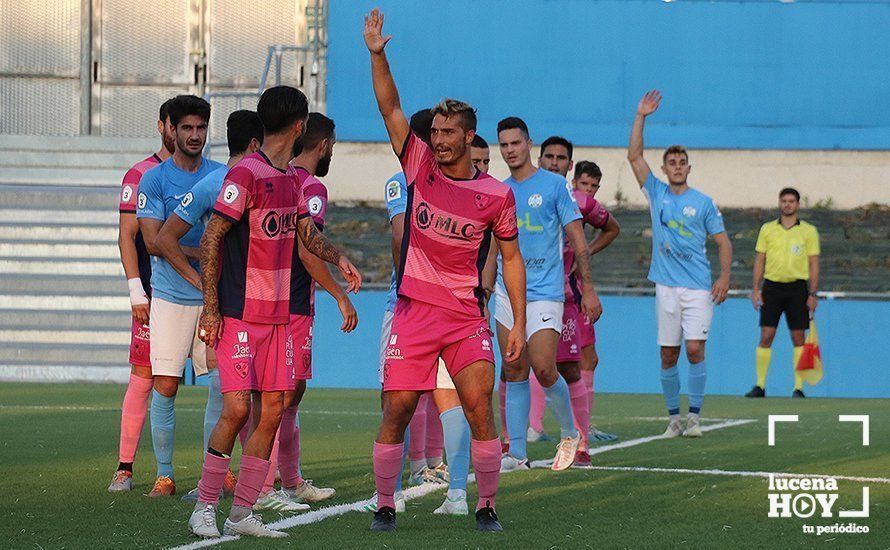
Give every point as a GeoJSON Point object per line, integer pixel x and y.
{"type": "Point", "coordinates": [787, 298]}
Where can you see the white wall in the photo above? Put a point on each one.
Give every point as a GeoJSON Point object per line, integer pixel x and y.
{"type": "Point", "coordinates": [734, 178]}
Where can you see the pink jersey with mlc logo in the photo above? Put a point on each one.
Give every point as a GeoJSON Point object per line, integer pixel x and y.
{"type": "Point", "coordinates": [259, 251]}
{"type": "Point", "coordinates": [448, 228]}
{"type": "Point", "coordinates": [316, 196]}
{"type": "Point", "coordinates": [592, 213]}
{"type": "Point", "coordinates": [129, 188]}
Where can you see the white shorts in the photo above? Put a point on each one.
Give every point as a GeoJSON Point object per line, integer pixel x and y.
{"type": "Point", "coordinates": [443, 379]}
{"type": "Point", "coordinates": [539, 315]}
{"type": "Point", "coordinates": [683, 314]}
{"type": "Point", "coordinates": [174, 337]}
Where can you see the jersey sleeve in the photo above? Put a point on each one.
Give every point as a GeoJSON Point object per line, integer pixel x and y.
{"type": "Point", "coordinates": [129, 190]}
{"type": "Point", "coordinates": [566, 205]}
{"type": "Point", "coordinates": [317, 202]}
{"type": "Point", "coordinates": [416, 158]}
{"type": "Point", "coordinates": [760, 246]}
{"type": "Point", "coordinates": [593, 212]}
{"type": "Point", "coordinates": [713, 218]}
{"type": "Point", "coordinates": [396, 195]}
{"type": "Point", "coordinates": [150, 199]}
{"type": "Point", "coordinates": [504, 226]}
{"type": "Point", "coordinates": [195, 204]}
{"type": "Point", "coordinates": [654, 188]}
{"type": "Point", "coordinates": [236, 195]}
{"type": "Point", "coordinates": [812, 242]}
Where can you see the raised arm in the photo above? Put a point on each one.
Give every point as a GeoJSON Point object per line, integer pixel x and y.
{"type": "Point", "coordinates": [384, 86]}
{"type": "Point", "coordinates": [648, 105]}
{"type": "Point", "coordinates": [514, 281]}
{"type": "Point", "coordinates": [590, 302]}
{"type": "Point", "coordinates": [168, 247]}
{"type": "Point", "coordinates": [319, 272]}
{"type": "Point", "coordinates": [724, 251]}
{"type": "Point", "coordinates": [318, 244]}
{"type": "Point", "coordinates": [211, 321]}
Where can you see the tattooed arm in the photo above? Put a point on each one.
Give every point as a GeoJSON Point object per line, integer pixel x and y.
{"type": "Point", "coordinates": [211, 322]}
{"type": "Point", "coordinates": [319, 245]}
{"type": "Point", "coordinates": [590, 302]}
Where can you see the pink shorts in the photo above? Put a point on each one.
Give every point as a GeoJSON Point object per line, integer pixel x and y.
{"type": "Point", "coordinates": [421, 334]}
{"type": "Point", "coordinates": [568, 350]}
{"type": "Point", "coordinates": [261, 357]}
{"type": "Point", "coordinates": [140, 350]}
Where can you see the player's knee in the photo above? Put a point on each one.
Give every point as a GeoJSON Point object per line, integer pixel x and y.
{"type": "Point", "coordinates": [695, 352]}
{"type": "Point", "coordinates": [166, 385]}
{"type": "Point", "coordinates": [570, 371]}
{"type": "Point", "coordinates": [235, 414]}
{"type": "Point", "coordinates": [547, 377]}
{"type": "Point", "coordinates": [669, 357]}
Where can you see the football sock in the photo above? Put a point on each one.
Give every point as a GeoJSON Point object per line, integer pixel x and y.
{"type": "Point", "coordinates": [387, 467]}
{"type": "Point", "coordinates": [213, 410]}
{"type": "Point", "coordinates": [587, 376]}
{"type": "Point", "coordinates": [487, 465]}
{"type": "Point", "coordinates": [435, 444]}
{"type": "Point", "coordinates": [457, 446]}
{"type": "Point", "coordinates": [561, 405]}
{"type": "Point", "coordinates": [536, 411]}
{"type": "Point", "coordinates": [670, 387]}
{"type": "Point", "coordinates": [518, 403]}
{"type": "Point", "coordinates": [289, 449]}
{"type": "Point", "coordinates": [762, 357]}
{"type": "Point", "coordinates": [274, 464]}
{"type": "Point", "coordinates": [133, 413]}
{"type": "Point", "coordinates": [798, 380]}
{"type": "Point", "coordinates": [163, 424]}
{"type": "Point", "coordinates": [251, 476]}
{"type": "Point", "coordinates": [698, 375]}
{"type": "Point", "coordinates": [213, 475]}
{"type": "Point", "coordinates": [580, 408]}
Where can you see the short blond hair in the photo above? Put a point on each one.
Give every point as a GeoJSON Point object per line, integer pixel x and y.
{"type": "Point", "coordinates": [466, 114]}
{"type": "Point", "coordinates": [674, 150]}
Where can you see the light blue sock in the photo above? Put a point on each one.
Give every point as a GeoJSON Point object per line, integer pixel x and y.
{"type": "Point", "coordinates": [163, 423]}
{"type": "Point", "coordinates": [561, 405]}
{"type": "Point", "coordinates": [457, 446]}
{"type": "Point", "coordinates": [519, 402]}
{"type": "Point", "coordinates": [670, 387]}
{"type": "Point", "coordinates": [404, 458]}
{"type": "Point", "coordinates": [213, 410]}
{"type": "Point", "coordinates": [697, 378]}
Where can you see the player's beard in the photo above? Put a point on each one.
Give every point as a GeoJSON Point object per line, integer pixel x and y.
{"type": "Point", "coordinates": [324, 164]}
{"type": "Point", "coordinates": [183, 147]}
{"type": "Point", "coordinates": [169, 143]}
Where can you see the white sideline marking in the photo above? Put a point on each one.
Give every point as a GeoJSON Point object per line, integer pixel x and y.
{"type": "Point", "coordinates": [639, 441]}
{"type": "Point", "coordinates": [740, 473]}
{"type": "Point", "coordinates": [422, 490]}
{"type": "Point", "coordinates": [863, 418]}
{"type": "Point", "coordinates": [773, 418]}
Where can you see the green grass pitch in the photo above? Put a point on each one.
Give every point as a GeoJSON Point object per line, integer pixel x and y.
{"type": "Point", "coordinates": [58, 449]}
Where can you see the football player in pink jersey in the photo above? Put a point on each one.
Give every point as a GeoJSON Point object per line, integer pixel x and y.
{"type": "Point", "coordinates": [453, 211]}
{"type": "Point", "coordinates": [137, 267]}
{"type": "Point", "coordinates": [251, 315]}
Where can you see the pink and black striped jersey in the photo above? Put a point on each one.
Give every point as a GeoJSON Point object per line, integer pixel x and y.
{"type": "Point", "coordinates": [594, 214]}
{"type": "Point", "coordinates": [129, 187]}
{"type": "Point", "coordinates": [316, 196]}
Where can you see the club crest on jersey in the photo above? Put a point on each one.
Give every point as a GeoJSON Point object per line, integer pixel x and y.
{"type": "Point", "coordinates": [230, 193]}
{"type": "Point", "coordinates": [689, 211]}
{"type": "Point", "coordinates": [142, 200]}
{"type": "Point", "coordinates": [480, 200]}
{"type": "Point", "coordinates": [187, 199]}
{"type": "Point", "coordinates": [443, 225]}
{"type": "Point", "coordinates": [314, 205]}
{"type": "Point", "coordinates": [536, 200]}
{"type": "Point", "coordinates": [126, 193]}
{"type": "Point", "coordinates": [393, 190]}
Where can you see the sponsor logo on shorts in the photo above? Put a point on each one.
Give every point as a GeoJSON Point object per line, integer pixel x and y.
{"type": "Point", "coordinates": [242, 336]}
{"type": "Point", "coordinates": [393, 190]}
{"type": "Point", "coordinates": [289, 351]}
{"type": "Point", "coordinates": [443, 225]}
{"type": "Point", "coordinates": [240, 352]}
{"type": "Point", "coordinates": [241, 369]}
{"type": "Point", "coordinates": [536, 200]}
{"type": "Point", "coordinates": [568, 331]}
{"type": "Point", "coordinates": [126, 193]}
{"type": "Point", "coordinates": [392, 352]}
{"type": "Point", "coordinates": [141, 200]}
{"type": "Point", "coordinates": [277, 224]}
{"type": "Point", "coordinates": [393, 339]}
{"type": "Point", "coordinates": [573, 349]}
{"type": "Point", "coordinates": [486, 345]}
{"type": "Point", "coordinates": [307, 344]}
{"type": "Point", "coordinates": [230, 193]}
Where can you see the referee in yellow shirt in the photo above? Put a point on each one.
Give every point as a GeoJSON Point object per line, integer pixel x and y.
{"type": "Point", "coordinates": [789, 250]}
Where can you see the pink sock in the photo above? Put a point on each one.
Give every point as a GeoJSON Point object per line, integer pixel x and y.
{"type": "Point", "coordinates": [133, 414]}
{"type": "Point", "coordinates": [502, 405]}
{"type": "Point", "coordinates": [587, 376]}
{"type": "Point", "coordinates": [487, 464]}
{"type": "Point", "coordinates": [213, 475]}
{"type": "Point", "coordinates": [435, 439]}
{"type": "Point", "coordinates": [538, 402]}
{"type": "Point", "coordinates": [417, 446]}
{"type": "Point", "coordinates": [251, 475]}
{"type": "Point", "coordinates": [288, 449]}
{"type": "Point", "coordinates": [580, 408]}
{"type": "Point", "coordinates": [274, 464]}
{"type": "Point", "coordinates": [388, 467]}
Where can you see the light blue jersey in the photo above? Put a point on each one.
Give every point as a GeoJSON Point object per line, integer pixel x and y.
{"type": "Point", "coordinates": [161, 190]}
{"type": "Point", "coordinates": [396, 203]}
{"type": "Point", "coordinates": [544, 206]}
{"type": "Point", "coordinates": [197, 205]}
{"type": "Point", "coordinates": [680, 227]}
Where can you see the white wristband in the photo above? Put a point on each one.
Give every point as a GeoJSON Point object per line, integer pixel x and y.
{"type": "Point", "coordinates": [137, 293]}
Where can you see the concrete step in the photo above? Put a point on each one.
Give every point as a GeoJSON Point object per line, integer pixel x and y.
{"type": "Point", "coordinates": [84, 353]}
{"type": "Point", "coordinates": [81, 319]}
{"type": "Point", "coordinates": [56, 198]}
{"type": "Point", "coordinates": [53, 266]}
{"type": "Point", "coordinates": [61, 175]}
{"type": "Point", "coordinates": [63, 302]}
{"type": "Point", "coordinates": [120, 161]}
{"type": "Point", "coordinates": [83, 144]}
{"type": "Point", "coordinates": [76, 249]}
{"type": "Point", "coordinates": [45, 233]}
{"type": "Point", "coordinates": [33, 284]}
{"type": "Point", "coordinates": [16, 338]}
{"type": "Point", "coordinates": [43, 372]}
{"type": "Point", "coordinates": [35, 216]}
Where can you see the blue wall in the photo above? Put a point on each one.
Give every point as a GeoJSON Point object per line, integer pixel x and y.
{"type": "Point", "coordinates": [759, 75]}
{"type": "Point", "coordinates": [855, 362]}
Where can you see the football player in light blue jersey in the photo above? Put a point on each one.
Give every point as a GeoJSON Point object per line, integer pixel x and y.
{"type": "Point", "coordinates": [546, 212]}
{"type": "Point", "coordinates": [244, 134]}
{"type": "Point", "coordinates": [176, 303]}
{"type": "Point", "coordinates": [682, 220]}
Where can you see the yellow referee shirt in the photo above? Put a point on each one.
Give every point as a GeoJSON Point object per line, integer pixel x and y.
{"type": "Point", "coordinates": [787, 250]}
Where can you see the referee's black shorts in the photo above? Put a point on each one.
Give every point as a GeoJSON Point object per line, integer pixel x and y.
{"type": "Point", "coordinates": [787, 298]}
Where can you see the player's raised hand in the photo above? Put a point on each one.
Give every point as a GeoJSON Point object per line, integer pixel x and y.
{"type": "Point", "coordinates": [373, 32]}
{"type": "Point", "coordinates": [649, 104]}
{"type": "Point", "coordinates": [350, 317]}
{"type": "Point", "coordinates": [210, 326]}
{"type": "Point", "coordinates": [350, 273]}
